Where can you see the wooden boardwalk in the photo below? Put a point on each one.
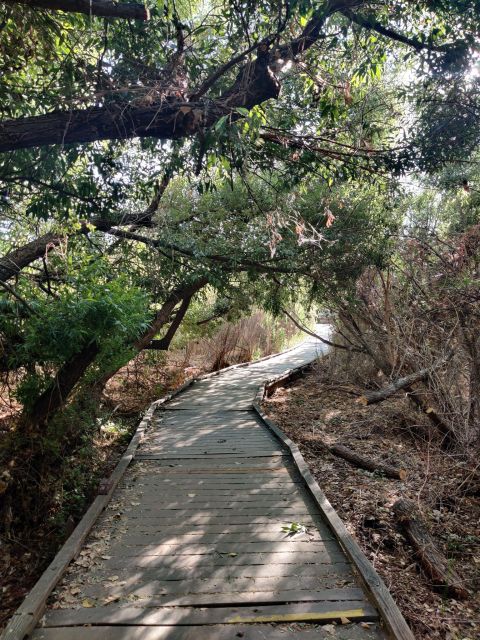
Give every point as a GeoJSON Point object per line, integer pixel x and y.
{"type": "Point", "coordinates": [193, 543]}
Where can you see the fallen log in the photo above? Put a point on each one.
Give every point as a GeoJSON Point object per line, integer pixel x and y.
{"type": "Point", "coordinates": [431, 559]}
{"type": "Point", "coordinates": [372, 397]}
{"type": "Point", "coordinates": [366, 463]}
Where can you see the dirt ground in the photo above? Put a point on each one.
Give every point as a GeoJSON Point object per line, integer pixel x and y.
{"type": "Point", "coordinates": [315, 410]}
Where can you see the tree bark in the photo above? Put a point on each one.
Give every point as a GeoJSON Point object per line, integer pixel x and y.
{"type": "Point", "coordinates": [164, 343]}
{"type": "Point", "coordinates": [170, 119]}
{"type": "Point", "coordinates": [431, 559]}
{"type": "Point", "coordinates": [13, 262]}
{"type": "Point", "coordinates": [55, 396]}
{"type": "Point", "coordinates": [163, 315]}
{"type": "Point", "coordinates": [102, 8]}
{"type": "Point", "coordinates": [366, 463]}
{"type": "Point", "coordinates": [373, 397]}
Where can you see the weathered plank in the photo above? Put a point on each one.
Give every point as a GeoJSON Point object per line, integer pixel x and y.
{"type": "Point", "coordinates": [214, 632]}
{"type": "Point", "coordinates": [231, 484]}
{"type": "Point", "coordinates": [301, 612]}
{"type": "Point", "coordinates": [198, 503]}
{"type": "Point", "coordinates": [257, 597]}
{"type": "Point", "coordinates": [226, 572]}
{"type": "Point", "coordinates": [269, 531]}
{"type": "Point", "coordinates": [252, 559]}
{"type": "Point", "coordinates": [223, 520]}
{"type": "Point", "coordinates": [128, 585]}
{"type": "Point", "coordinates": [217, 491]}
{"type": "Point", "coordinates": [224, 548]}
{"type": "Point", "coordinates": [130, 538]}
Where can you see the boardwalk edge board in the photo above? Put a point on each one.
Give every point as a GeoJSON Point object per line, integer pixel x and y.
{"type": "Point", "coordinates": [26, 617]}
{"type": "Point", "coordinates": [380, 596]}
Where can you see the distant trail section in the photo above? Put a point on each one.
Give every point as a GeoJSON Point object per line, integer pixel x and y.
{"type": "Point", "coordinates": [213, 534]}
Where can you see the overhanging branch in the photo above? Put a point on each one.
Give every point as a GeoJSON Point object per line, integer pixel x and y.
{"type": "Point", "coordinates": [102, 8]}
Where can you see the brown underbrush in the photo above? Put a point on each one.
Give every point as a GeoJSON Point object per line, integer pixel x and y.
{"type": "Point", "coordinates": [320, 409]}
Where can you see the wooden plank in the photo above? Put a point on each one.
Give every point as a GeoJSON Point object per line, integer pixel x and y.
{"type": "Point", "coordinates": [213, 501]}
{"type": "Point", "coordinates": [220, 502]}
{"type": "Point", "coordinates": [213, 632]}
{"type": "Point", "coordinates": [250, 559]}
{"type": "Point", "coordinates": [269, 530]}
{"type": "Point", "coordinates": [375, 586]}
{"type": "Point", "coordinates": [230, 573]}
{"type": "Point", "coordinates": [240, 473]}
{"type": "Point", "coordinates": [199, 520]}
{"type": "Point", "coordinates": [191, 549]}
{"type": "Point", "coordinates": [153, 587]}
{"type": "Point", "coordinates": [152, 537]}
{"type": "Point", "coordinates": [254, 559]}
{"type": "Point", "coordinates": [225, 465]}
{"type": "Point", "coordinates": [214, 441]}
{"type": "Point", "coordinates": [225, 509]}
{"type": "Point", "coordinates": [283, 461]}
{"type": "Point", "coordinates": [237, 482]}
{"type": "Point", "coordinates": [301, 612]}
{"type": "Point", "coordinates": [212, 456]}
{"type": "Point", "coordinates": [219, 491]}
{"type": "Point", "coordinates": [222, 515]}
{"type": "Point", "coordinates": [257, 597]}
{"type": "Point", "coordinates": [179, 449]}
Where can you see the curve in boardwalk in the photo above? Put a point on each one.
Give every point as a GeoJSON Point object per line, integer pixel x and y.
{"type": "Point", "coordinates": [197, 541]}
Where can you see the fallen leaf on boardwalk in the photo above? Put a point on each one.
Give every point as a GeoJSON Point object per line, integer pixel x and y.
{"type": "Point", "coordinates": [105, 557]}
{"type": "Point", "coordinates": [87, 603]}
{"type": "Point", "coordinates": [233, 555]}
{"type": "Point", "coordinates": [111, 599]}
{"type": "Point", "coordinates": [344, 620]}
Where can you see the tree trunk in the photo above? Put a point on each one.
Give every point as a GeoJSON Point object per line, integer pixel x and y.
{"type": "Point", "coordinates": [103, 8]}
{"type": "Point", "coordinates": [55, 396]}
{"type": "Point", "coordinates": [162, 317]}
{"type": "Point", "coordinates": [366, 463]}
{"type": "Point", "coordinates": [164, 314]}
{"type": "Point", "coordinates": [13, 262]}
{"type": "Point", "coordinates": [431, 559]}
{"type": "Point", "coordinates": [373, 397]}
{"type": "Point", "coordinates": [164, 343]}
{"type": "Point", "coordinates": [170, 119]}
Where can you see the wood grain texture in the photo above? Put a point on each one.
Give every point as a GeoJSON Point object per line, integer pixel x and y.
{"type": "Point", "coordinates": [358, 610]}
{"type": "Point", "coordinates": [214, 632]}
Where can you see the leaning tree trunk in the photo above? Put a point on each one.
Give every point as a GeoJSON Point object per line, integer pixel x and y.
{"type": "Point", "coordinates": [58, 391]}
{"type": "Point", "coordinates": [182, 294]}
